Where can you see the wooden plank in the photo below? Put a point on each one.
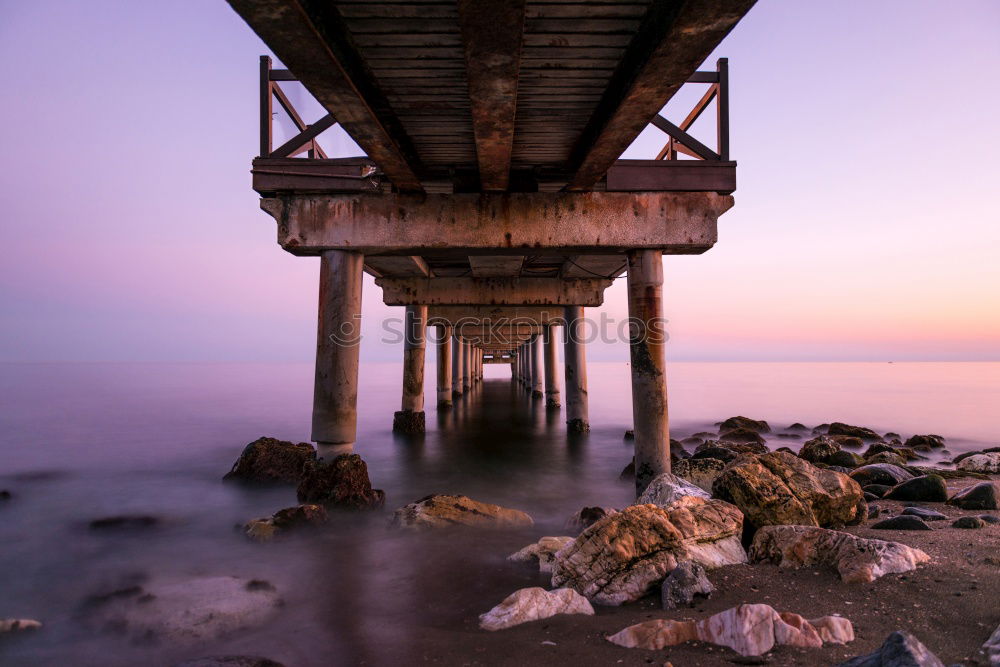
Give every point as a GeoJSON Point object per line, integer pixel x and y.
{"type": "Point", "coordinates": [495, 266]}
{"type": "Point", "coordinates": [305, 136]}
{"type": "Point", "coordinates": [398, 266]}
{"type": "Point", "coordinates": [271, 175]}
{"type": "Point", "coordinates": [265, 106]}
{"type": "Point", "coordinates": [674, 37]}
{"type": "Point", "coordinates": [672, 176]}
{"type": "Point", "coordinates": [703, 151]}
{"type": "Point", "coordinates": [492, 31]}
{"type": "Point", "coordinates": [311, 40]}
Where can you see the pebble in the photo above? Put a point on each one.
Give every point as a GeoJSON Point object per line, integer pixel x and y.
{"type": "Point", "coordinates": [924, 513]}
{"type": "Point", "coordinates": [969, 522]}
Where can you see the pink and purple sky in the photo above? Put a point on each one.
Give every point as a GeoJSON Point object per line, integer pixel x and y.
{"type": "Point", "coordinates": [866, 225]}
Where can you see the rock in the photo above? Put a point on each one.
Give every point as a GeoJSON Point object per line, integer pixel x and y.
{"type": "Point", "coordinates": [755, 425]}
{"type": "Point", "coordinates": [873, 511]}
{"type": "Point", "coordinates": [188, 610]}
{"type": "Point", "coordinates": [723, 454]}
{"type": "Point", "coordinates": [797, 427]}
{"type": "Point", "coordinates": [819, 449]}
{"type": "Point", "coordinates": [342, 483]}
{"type": "Point", "coordinates": [230, 661]}
{"type": "Point", "coordinates": [285, 521]}
{"type": "Point", "coordinates": [269, 460]}
{"type": "Point", "coordinates": [856, 559]}
{"type": "Point", "coordinates": [973, 522]}
{"type": "Point", "coordinates": [541, 552]}
{"type": "Point", "coordinates": [683, 584]}
{"type": "Point", "coordinates": [877, 489]}
{"type": "Point", "coordinates": [5, 494]}
{"type": "Point", "coordinates": [902, 522]}
{"type": "Point", "coordinates": [742, 435]}
{"type": "Point", "coordinates": [12, 625]}
{"type": "Point", "coordinates": [445, 511]}
{"type": "Point", "coordinates": [880, 473]}
{"type": "Point", "coordinates": [749, 629]}
{"type": "Point", "coordinates": [871, 497]}
{"type": "Point", "coordinates": [925, 488]}
{"type": "Point", "coordinates": [965, 455]}
{"type": "Point", "coordinates": [700, 472]}
{"type": "Point", "coordinates": [992, 648]}
{"type": "Point", "coordinates": [988, 463]}
{"type": "Point", "coordinates": [839, 428]}
{"type": "Point", "coordinates": [586, 517]}
{"type": "Point", "coordinates": [878, 448]}
{"type": "Point", "coordinates": [990, 518]}
{"type": "Point", "coordinates": [846, 460]}
{"type": "Point", "coordinates": [847, 441]}
{"type": "Point", "coordinates": [629, 435]}
{"type": "Point", "coordinates": [667, 488]}
{"type": "Point", "coordinates": [124, 522]}
{"type": "Point", "coordinates": [900, 649]}
{"type": "Point", "coordinates": [790, 436]}
{"type": "Point", "coordinates": [628, 472]}
{"type": "Point", "coordinates": [930, 440]}
{"type": "Point", "coordinates": [409, 422]}
{"type": "Point", "coordinates": [677, 451]}
{"type": "Point", "coordinates": [619, 558]}
{"type": "Point", "coordinates": [923, 513]}
{"type": "Point", "coordinates": [982, 496]}
{"type": "Point", "coordinates": [891, 458]}
{"type": "Point", "coordinates": [778, 488]}
{"type": "Point", "coordinates": [533, 604]}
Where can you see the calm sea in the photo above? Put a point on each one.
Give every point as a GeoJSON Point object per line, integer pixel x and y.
{"type": "Point", "coordinates": [82, 441]}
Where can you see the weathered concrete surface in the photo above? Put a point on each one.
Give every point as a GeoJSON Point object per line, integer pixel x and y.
{"type": "Point", "coordinates": [575, 369]}
{"type": "Point", "coordinates": [444, 366]}
{"type": "Point", "coordinates": [647, 340]}
{"type": "Point", "coordinates": [552, 398]}
{"type": "Point", "coordinates": [537, 370]}
{"type": "Point", "coordinates": [500, 291]}
{"type": "Point", "coordinates": [457, 363]}
{"type": "Point", "coordinates": [673, 222]}
{"type": "Point", "coordinates": [486, 315]}
{"type": "Point", "coordinates": [414, 352]}
{"type": "Point", "coordinates": [338, 341]}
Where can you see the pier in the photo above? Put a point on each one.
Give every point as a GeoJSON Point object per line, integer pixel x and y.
{"type": "Point", "coordinates": [492, 202]}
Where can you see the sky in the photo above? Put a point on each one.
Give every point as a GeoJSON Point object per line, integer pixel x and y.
{"type": "Point", "coordinates": [866, 225]}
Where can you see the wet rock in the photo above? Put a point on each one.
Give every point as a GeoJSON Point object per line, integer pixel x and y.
{"type": "Point", "coordinates": [900, 649]}
{"type": "Point", "coordinates": [628, 472]}
{"type": "Point", "coordinates": [902, 522]}
{"type": "Point", "coordinates": [876, 489]}
{"type": "Point", "coordinates": [925, 488]}
{"type": "Point", "coordinates": [819, 449]}
{"type": "Point", "coordinates": [755, 425]}
{"type": "Point", "coordinates": [5, 495]}
{"type": "Point", "coordinates": [749, 629]}
{"type": "Point", "coordinates": [878, 448]}
{"type": "Point", "coordinates": [684, 583]}
{"type": "Point", "coordinates": [446, 511]}
{"type": "Point", "coordinates": [822, 428]}
{"type": "Point", "coordinates": [923, 513]}
{"type": "Point", "coordinates": [723, 454]}
{"type": "Point", "coordinates": [797, 427]}
{"type": "Point", "coordinates": [619, 558]}
{"type": "Point", "coordinates": [839, 428]}
{"type": "Point", "coordinates": [230, 661]}
{"type": "Point", "coordinates": [700, 472]}
{"type": "Point", "coordinates": [990, 518]}
{"type": "Point", "coordinates": [533, 604]}
{"type": "Point", "coordinates": [856, 559]}
{"type": "Point", "coordinates": [880, 473]}
{"type": "Point", "coordinates": [965, 455]}
{"type": "Point", "coordinates": [542, 552]}
{"type": "Point", "coordinates": [891, 458]}
{"type": "Point", "coordinates": [871, 497]}
{"type": "Point", "coordinates": [988, 463]}
{"type": "Point", "coordinates": [342, 483]}
{"type": "Point", "coordinates": [982, 496]}
{"type": "Point", "coordinates": [779, 488]}
{"type": "Point", "coordinates": [409, 422]}
{"type": "Point", "coordinates": [667, 488]}
{"type": "Point", "coordinates": [188, 610]}
{"type": "Point", "coordinates": [629, 435]}
{"type": "Point", "coordinates": [124, 522]}
{"type": "Point", "coordinates": [269, 460]}
{"type": "Point", "coordinates": [790, 436]}
{"type": "Point", "coordinates": [971, 522]}
{"type": "Point", "coordinates": [677, 451]}
{"type": "Point", "coordinates": [14, 625]}
{"type": "Point", "coordinates": [847, 441]}
{"type": "Point", "coordinates": [873, 511]}
{"type": "Point", "coordinates": [742, 435]}
{"type": "Point", "coordinates": [586, 517]}
{"type": "Point", "coordinates": [930, 440]}
{"type": "Point", "coordinates": [285, 521]}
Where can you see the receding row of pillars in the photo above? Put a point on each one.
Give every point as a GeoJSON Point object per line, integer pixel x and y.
{"type": "Point", "coordinates": [460, 362]}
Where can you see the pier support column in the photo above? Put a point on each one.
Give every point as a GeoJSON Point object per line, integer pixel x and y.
{"type": "Point", "coordinates": [456, 365]}
{"type": "Point", "coordinates": [537, 363]}
{"type": "Point", "coordinates": [552, 398]}
{"type": "Point", "coordinates": [338, 343]}
{"type": "Point", "coordinates": [410, 418]}
{"type": "Point", "coordinates": [466, 365]}
{"type": "Point", "coordinates": [649, 384]}
{"type": "Point", "coordinates": [575, 363]}
{"type": "Point", "coordinates": [444, 366]}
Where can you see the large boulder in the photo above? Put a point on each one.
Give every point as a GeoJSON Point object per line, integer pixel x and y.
{"type": "Point", "coordinates": [900, 649]}
{"type": "Point", "coordinates": [285, 521]}
{"type": "Point", "coordinates": [269, 460]}
{"type": "Point", "coordinates": [819, 449]}
{"type": "Point", "coordinates": [839, 428]}
{"type": "Point", "coordinates": [542, 552]}
{"type": "Point", "coordinates": [988, 463]}
{"type": "Point", "coordinates": [779, 488]}
{"type": "Point", "coordinates": [667, 488]}
{"type": "Point", "coordinates": [925, 488]}
{"type": "Point", "coordinates": [619, 558]}
{"type": "Point", "coordinates": [447, 511]}
{"type": "Point", "coordinates": [901, 522]}
{"type": "Point", "coordinates": [982, 496]}
{"type": "Point", "coordinates": [533, 604]}
{"type": "Point", "coordinates": [755, 425]}
{"type": "Point", "coordinates": [342, 483]}
{"type": "Point", "coordinates": [856, 559]}
{"type": "Point", "coordinates": [880, 473]}
{"type": "Point", "coordinates": [749, 629]}
{"type": "Point", "coordinates": [700, 472]}
{"type": "Point", "coordinates": [742, 435]}
{"type": "Point", "coordinates": [930, 440]}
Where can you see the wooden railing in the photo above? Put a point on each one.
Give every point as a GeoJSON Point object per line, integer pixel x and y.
{"type": "Point", "coordinates": [682, 142]}
{"type": "Point", "coordinates": [305, 140]}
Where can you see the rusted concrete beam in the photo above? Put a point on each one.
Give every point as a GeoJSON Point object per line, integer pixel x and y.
{"type": "Point", "coordinates": [499, 291]}
{"type": "Point", "coordinates": [480, 315]}
{"type": "Point", "coordinates": [673, 222]}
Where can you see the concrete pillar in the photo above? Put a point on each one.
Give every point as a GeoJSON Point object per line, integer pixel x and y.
{"type": "Point", "coordinates": [649, 384]}
{"type": "Point", "coordinates": [456, 366]}
{"type": "Point", "coordinates": [466, 365]}
{"type": "Point", "coordinates": [552, 399]}
{"type": "Point", "coordinates": [338, 343]}
{"type": "Point", "coordinates": [444, 366]}
{"type": "Point", "coordinates": [537, 366]}
{"type": "Point", "coordinates": [410, 418]}
{"type": "Point", "coordinates": [575, 364]}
